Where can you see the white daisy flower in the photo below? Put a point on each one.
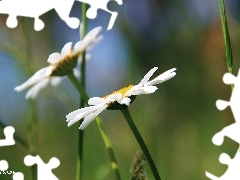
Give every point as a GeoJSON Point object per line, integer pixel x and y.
{"type": "Point", "coordinates": [60, 64]}
{"type": "Point", "coordinates": [118, 99]}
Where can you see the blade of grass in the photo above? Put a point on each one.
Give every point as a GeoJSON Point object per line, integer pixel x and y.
{"type": "Point", "coordinates": [32, 117]}
{"type": "Point", "coordinates": [227, 41]}
{"type": "Point", "coordinates": [83, 32]}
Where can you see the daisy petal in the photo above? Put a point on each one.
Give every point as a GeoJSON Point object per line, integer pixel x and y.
{"type": "Point", "coordinates": [88, 119]}
{"type": "Point", "coordinates": [125, 101]}
{"type": "Point", "coordinates": [54, 58]}
{"type": "Point", "coordinates": [163, 77]}
{"type": "Point", "coordinates": [130, 91]}
{"type": "Point", "coordinates": [86, 113]}
{"type": "Point", "coordinates": [149, 89]}
{"type": "Point", "coordinates": [73, 114]}
{"type": "Point", "coordinates": [80, 46]}
{"type": "Point", "coordinates": [114, 97]}
{"type": "Point", "coordinates": [66, 49]}
{"type": "Point", "coordinates": [38, 76]}
{"type": "Point", "coordinates": [93, 33]}
{"type": "Point", "coordinates": [96, 100]}
{"type": "Point", "coordinates": [72, 122]}
{"type": "Point", "coordinates": [55, 81]}
{"type": "Point", "coordinates": [90, 39]}
{"type": "Point", "coordinates": [145, 90]}
{"type": "Point", "coordinates": [34, 91]}
{"type": "Point", "coordinates": [76, 73]}
{"type": "Point", "coordinates": [95, 42]}
{"type": "Point", "coordinates": [147, 76]}
{"type": "Point", "coordinates": [49, 71]}
{"type": "Point", "coordinates": [80, 116]}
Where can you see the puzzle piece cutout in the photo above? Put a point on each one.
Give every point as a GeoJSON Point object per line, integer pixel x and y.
{"type": "Point", "coordinates": [232, 131]}
{"type": "Point", "coordinates": [44, 170]}
{"type": "Point", "coordinates": [232, 172]}
{"type": "Point", "coordinates": [18, 176]}
{"type": "Point", "coordinates": [4, 167]}
{"type": "Point", "coordinates": [8, 132]}
{"type": "Point", "coordinates": [36, 8]}
{"type": "Point", "coordinates": [96, 4]}
{"type": "Point", "coordinates": [234, 102]}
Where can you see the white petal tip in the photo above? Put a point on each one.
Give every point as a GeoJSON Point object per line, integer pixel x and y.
{"type": "Point", "coordinates": [30, 96]}
{"type": "Point", "coordinates": [99, 28]}
{"type": "Point", "coordinates": [81, 128]}
{"type": "Point", "coordinates": [173, 74]}
{"type": "Point", "coordinates": [125, 101]}
{"type": "Point", "coordinates": [17, 89]}
{"type": "Point", "coordinates": [70, 124]}
{"type": "Point", "coordinates": [27, 97]}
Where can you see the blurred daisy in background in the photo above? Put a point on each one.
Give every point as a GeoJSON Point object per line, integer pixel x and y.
{"type": "Point", "coordinates": [60, 64]}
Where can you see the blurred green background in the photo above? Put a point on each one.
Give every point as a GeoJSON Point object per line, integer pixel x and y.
{"type": "Point", "coordinates": [177, 122]}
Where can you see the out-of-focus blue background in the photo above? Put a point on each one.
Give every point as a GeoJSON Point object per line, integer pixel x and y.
{"type": "Point", "coordinates": [177, 122]}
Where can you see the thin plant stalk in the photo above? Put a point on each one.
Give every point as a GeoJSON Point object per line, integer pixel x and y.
{"type": "Point", "coordinates": [32, 116]}
{"type": "Point", "coordinates": [82, 104]}
{"type": "Point", "coordinates": [101, 128]}
{"type": "Point", "coordinates": [227, 41]}
{"type": "Point", "coordinates": [108, 145]}
{"type": "Point", "coordinates": [141, 142]}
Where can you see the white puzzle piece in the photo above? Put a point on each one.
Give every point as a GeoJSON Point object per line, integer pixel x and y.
{"type": "Point", "coordinates": [4, 168]}
{"type": "Point", "coordinates": [232, 131]}
{"type": "Point", "coordinates": [96, 4]}
{"type": "Point", "coordinates": [18, 176]}
{"type": "Point", "coordinates": [8, 132]}
{"type": "Point", "coordinates": [3, 165]}
{"type": "Point", "coordinates": [36, 8]}
{"type": "Point", "coordinates": [44, 170]}
{"type": "Point", "coordinates": [232, 172]}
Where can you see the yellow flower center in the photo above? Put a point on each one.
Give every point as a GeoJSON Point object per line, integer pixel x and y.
{"type": "Point", "coordinates": [121, 91]}
{"type": "Point", "coordinates": [115, 105]}
{"type": "Point", "coordinates": [66, 64]}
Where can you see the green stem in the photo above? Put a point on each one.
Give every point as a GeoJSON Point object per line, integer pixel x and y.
{"type": "Point", "coordinates": [101, 128]}
{"type": "Point", "coordinates": [32, 119]}
{"type": "Point", "coordinates": [141, 142]}
{"type": "Point", "coordinates": [226, 35]}
{"type": "Point", "coordinates": [16, 136]}
{"type": "Point", "coordinates": [83, 32]}
{"type": "Point", "coordinates": [78, 86]}
{"type": "Point", "coordinates": [108, 145]}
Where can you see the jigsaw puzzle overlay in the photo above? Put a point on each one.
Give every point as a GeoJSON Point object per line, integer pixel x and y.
{"type": "Point", "coordinates": [8, 133]}
{"type": "Point", "coordinates": [36, 8]}
{"type": "Point", "coordinates": [232, 131]}
{"type": "Point", "coordinates": [44, 170]}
